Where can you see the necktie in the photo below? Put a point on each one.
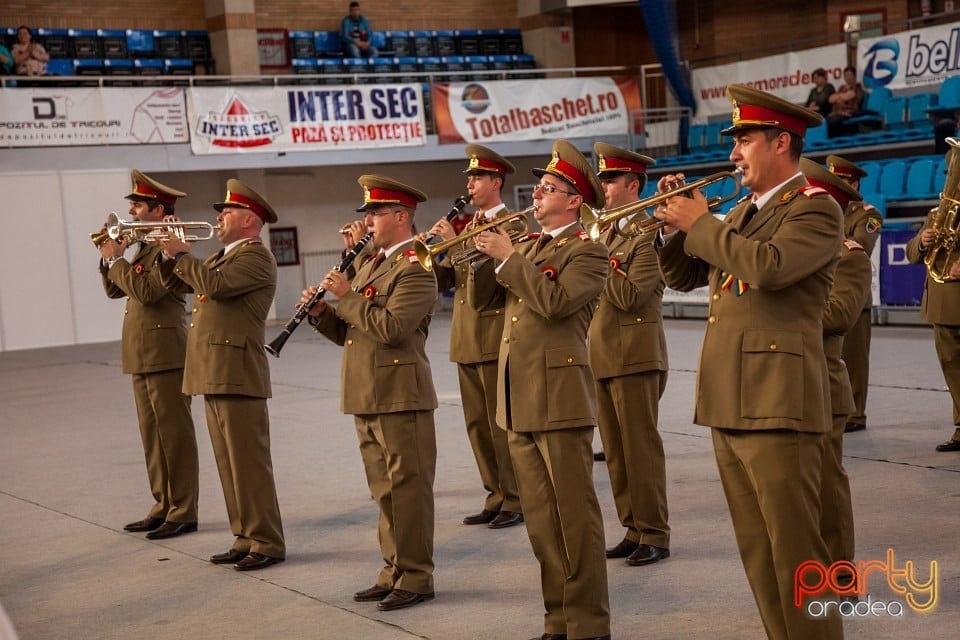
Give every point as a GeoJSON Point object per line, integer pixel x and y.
{"type": "Point", "coordinates": [542, 242]}
{"type": "Point", "coordinates": [377, 261]}
{"type": "Point", "coordinates": [748, 214]}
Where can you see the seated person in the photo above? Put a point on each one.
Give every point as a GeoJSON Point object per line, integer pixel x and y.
{"type": "Point", "coordinates": [819, 98]}
{"type": "Point", "coordinates": [30, 57]}
{"type": "Point", "coordinates": [846, 102]}
{"type": "Point", "coordinates": [356, 35]}
{"type": "Point", "coordinates": [6, 61]}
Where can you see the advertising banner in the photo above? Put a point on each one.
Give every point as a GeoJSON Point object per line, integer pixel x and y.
{"type": "Point", "coordinates": [910, 58]}
{"type": "Point", "coordinates": [62, 117]}
{"type": "Point", "coordinates": [507, 111]}
{"type": "Point", "coordinates": [901, 283]}
{"type": "Point", "coordinates": [304, 118]}
{"type": "Point", "coordinates": [786, 75]}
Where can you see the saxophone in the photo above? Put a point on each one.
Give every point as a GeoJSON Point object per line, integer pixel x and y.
{"type": "Point", "coordinates": [944, 251]}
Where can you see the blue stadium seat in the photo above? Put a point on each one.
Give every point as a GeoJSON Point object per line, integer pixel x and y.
{"type": "Point", "coordinates": [949, 97]}
{"type": "Point", "coordinates": [894, 114]}
{"type": "Point", "coordinates": [87, 67]}
{"type": "Point", "coordinates": [871, 181]}
{"type": "Point", "coordinates": [113, 43]}
{"type": "Point", "coordinates": [169, 44]}
{"type": "Point", "coordinates": [148, 66]}
{"type": "Point", "coordinates": [399, 42]}
{"type": "Point", "coordinates": [304, 66]}
{"type": "Point", "coordinates": [917, 111]}
{"type": "Point", "coordinates": [55, 41]}
{"type": "Point", "coordinates": [60, 67]}
{"type": "Point", "coordinates": [113, 67]}
{"type": "Point", "coordinates": [893, 179]}
{"type": "Point", "coordinates": [511, 41]}
{"type": "Point", "coordinates": [920, 180]}
{"type": "Point", "coordinates": [939, 176]}
{"type": "Point", "coordinates": [424, 44]}
{"type": "Point", "coordinates": [695, 138]}
{"type": "Point", "coordinates": [330, 67]}
{"type": "Point", "coordinates": [816, 138]}
{"type": "Point", "coordinates": [85, 43]}
{"type": "Point", "coordinates": [140, 43]}
{"type": "Point", "coordinates": [302, 45]}
{"type": "Point", "coordinates": [468, 41]}
{"type": "Point", "coordinates": [327, 43]}
{"type": "Point", "coordinates": [447, 43]}
{"type": "Point", "coordinates": [379, 40]}
{"type": "Point", "coordinates": [178, 67]}
{"type": "Point", "coordinates": [873, 108]}
{"type": "Point", "coordinates": [879, 201]}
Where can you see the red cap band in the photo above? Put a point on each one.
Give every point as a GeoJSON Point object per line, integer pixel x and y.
{"type": "Point", "coordinates": [572, 175]}
{"type": "Point", "coordinates": [619, 164]}
{"type": "Point", "coordinates": [485, 164]}
{"type": "Point", "coordinates": [389, 196]}
{"type": "Point", "coordinates": [146, 191]}
{"type": "Point", "coordinates": [246, 203]}
{"type": "Point", "coordinates": [750, 114]}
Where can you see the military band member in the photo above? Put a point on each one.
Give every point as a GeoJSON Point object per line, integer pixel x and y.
{"type": "Point", "coordinates": [227, 364]}
{"type": "Point", "coordinates": [940, 307]}
{"type": "Point", "coordinates": [762, 382]}
{"type": "Point", "coordinates": [474, 346]}
{"type": "Point", "coordinates": [862, 223]}
{"type": "Point", "coordinates": [628, 355]}
{"type": "Point", "coordinates": [381, 320]}
{"type": "Point", "coordinates": [546, 395]}
{"type": "Point", "coordinates": [851, 285]}
{"type": "Point", "coordinates": [153, 348]}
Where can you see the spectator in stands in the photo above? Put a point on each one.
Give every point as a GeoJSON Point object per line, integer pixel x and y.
{"type": "Point", "coordinates": [356, 35]}
{"type": "Point", "coordinates": [819, 98]}
{"type": "Point", "coordinates": [30, 57]}
{"type": "Point", "coordinates": [945, 125]}
{"type": "Point", "coordinates": [846, 102]}
{"type": "Point", "coordinates": [6, 61]}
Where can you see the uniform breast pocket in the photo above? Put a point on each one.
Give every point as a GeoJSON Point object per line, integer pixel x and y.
{"type": "Point", "coordinates": [638, 338]}
{"type": "Point", "coordinates": [771, 382]}
{"type": "Point", "coordinates": [227, 357]}
{"type": "Point", "coordinates": [570, 385]}
{"type": "Point", "coordinates": [395, 378]}
{"type": "Point", "coordinates": [491, 331]}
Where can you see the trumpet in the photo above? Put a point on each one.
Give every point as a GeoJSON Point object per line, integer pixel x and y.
{"type": "Point", "coordinates": [514, 224]}
{"type": "Point", "coordinates": [458, 205]}
{"type": "Point", "coordinates": [594, 220]}
{"type": "Point", "coordinates": [135, 231]}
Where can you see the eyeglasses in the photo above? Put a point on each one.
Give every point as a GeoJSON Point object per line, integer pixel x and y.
{"type": "Point", "coordinates": [381, 212]}
{"type": "Point", "coordinates": [548, 188]}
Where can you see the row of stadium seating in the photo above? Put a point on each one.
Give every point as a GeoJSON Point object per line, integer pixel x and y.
{"type": "Point", "coordinates": [418, 44]}
{"type": "Point", "coordinates": [445, 69]}
{"type": "Point", "coordinates": [110, 67]}
{"type": "Point", "coordinates": [119, 44]}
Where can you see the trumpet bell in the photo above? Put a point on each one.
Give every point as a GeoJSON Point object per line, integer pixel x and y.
{"type": "Point", "coordinates": [515, 225]}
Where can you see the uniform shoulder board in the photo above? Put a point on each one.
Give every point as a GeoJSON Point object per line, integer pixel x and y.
{"type": "Point", "coordinates": [868, 206]}
{"type": "Point", "coordinates": [411, 255]}
{"type": "Point", "coordinates": [530, 236]}
{"type": "Point", "coordinates": [853, 245]}
{"type": "Point", "coordinates": [583, 235]}
{"type": "Point", "coordinates": [743, 198]}
{"type": "Point", "coordinates": [811, 191]}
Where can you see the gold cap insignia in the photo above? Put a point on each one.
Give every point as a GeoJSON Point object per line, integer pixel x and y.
{"type": "Point", "coordinates": [553, 162]}
{"type": "Point", "coordinates": [601, 163]}
{"type": "Point", "coordinates": [474, 162]}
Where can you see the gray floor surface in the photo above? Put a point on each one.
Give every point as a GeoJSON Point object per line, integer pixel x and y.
{"type": "Point", "coordinates": [71, 474]}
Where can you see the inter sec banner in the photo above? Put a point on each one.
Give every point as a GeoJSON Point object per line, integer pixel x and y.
{"type": "Point", "coordinates": [912, 58]}
{"type": "Point", "coordinates": [61, 117]}
{"type": "Point", "coordinates": [506, 111]}
{"type": "Point", "coordinates": [786, 75]}
{"type": "Point", "coordinates": [304, 118]}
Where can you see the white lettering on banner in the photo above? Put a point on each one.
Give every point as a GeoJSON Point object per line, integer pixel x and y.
{"type": "Point", "coordinates": [57, 116]}
{"type": "Point", "coordinates": [910, 58]}
{"type": "Point", "coordinates": [306, 118]}
{"type": "Point", "coordinates": [498, 111]}
{"type": "Point", "coordinates": [897, 255]}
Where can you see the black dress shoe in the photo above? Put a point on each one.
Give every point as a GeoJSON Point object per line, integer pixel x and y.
{"type": "Point", "coordinates": [622, 549]}
{"type": "Point", "coordinates": [229, 557]}
{"type": "Point", "coordinates": [373, 594]}
{"type": "Point", "coordinates": [599, 456]}
{"type": "Point", "coordinates": [484, 517]}
{"type": "Point", "coordinates": [506, 519]}
{"type": "Point", "coordinates": [850, 427]}
{"type": "Point", "coordinates": [172, 530]}
{"type": "Point", "coordinates": [647, 554]}
{"type": "Point", "coordinates": [255, 561]}
{"type": "Point", "coordinates": [949, 445]}
{"type": "Point", "coordinates": [399, 599]}
{"type": "Point", "coordinates": [147, 524]}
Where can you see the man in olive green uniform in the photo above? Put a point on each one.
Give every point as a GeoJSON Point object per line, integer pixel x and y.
{"type": "Point", "coordinates": [851, 284]}
{"type": "Point", "coordinates": [475, 345]}
{"type": "Point", "coordinates": [153, 348]}
{"type": "Point", "coordinates": [861, 222]}
{"type": "Point", "coordinates": [628, 355]}
{"type": "Point", "coordinates": [546, 395]}
{"type": "Point", "coordinates": [382, 319]}
{"type": "Point", "coordinates": [226, 362]}
{"type": "Point", "coordinates": [762, 383]}
{"type": "Point", "coordinates": [941, 304]}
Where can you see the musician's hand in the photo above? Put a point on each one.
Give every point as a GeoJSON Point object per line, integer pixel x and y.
{"type": "Point", "coordinates": [682, 212]}
{"type": "Point", "coordinates": [443, 229]}
{"type": "Point", "coordinates": [954, 272]}
{"type": "Point", "coordinates": [352, 233]}
{"type": "Point", "coordinates": [670, 181]}
{"type": "Point", "coordinates": [306, 295]}
{"type": "Point", "coordinates": [660, 213]}
{"type": "Point", "coordinates": [495, 243]}
{"type": "Point", "coordinates": [171, 245]}
{"type": "Point", "coordinates": [171, 218]}
{"type": "Point", "coordinates": [336, 284]}
{"type": "Point", "coordinates": [927, 237]}
{"type": "Point", "coordinates": [113, 249]}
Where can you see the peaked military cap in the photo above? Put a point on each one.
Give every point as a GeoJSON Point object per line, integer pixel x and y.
{"type": "Point", "coordinates": [146, 188]}
{"type": "Point", "coordinates": [484, 160]}
{"type": "Point", "coordinates": [383, 190]}
{"type": "Point", "coordinates": [818, 176]}
{"type": "Point", "coordinates": [569, 165]}
{"type": "Point", "coordinates": [844, 168]}
{"type": "Point", "coordinates": [242, 196]}
{"type": "Point", "coordinates": [611, 159]}
{"type": "Point", "coordinates": [755, 109]}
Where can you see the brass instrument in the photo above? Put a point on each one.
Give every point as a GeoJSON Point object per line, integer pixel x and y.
{"type": "Point", "coordinates": [136, 231]}
{"type": "Point", "coordinates": [515, 225]}
{"type": "Point", "coordinates": [944, 251]}
{"type": "Point", "coordinates": [594, 220]}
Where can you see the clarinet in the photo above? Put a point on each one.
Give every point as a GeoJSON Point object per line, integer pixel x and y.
{"type": "Point", "coordinates": [274, 347]}
{"type": "Point", "coordinates": [458, 206]}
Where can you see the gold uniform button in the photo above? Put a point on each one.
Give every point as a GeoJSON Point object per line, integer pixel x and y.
{"type": "Point", "coordinates": [773, 347]}
{"type": "Point", "coordinates": [716, 296]}
{"type": "Point", "coordinates": [569, 360]}
{"type": "Point", "coordinates": [158, 326]}
{"type": "Point", "coordinates": [519, 299]}
{"type": "Point", "coordinates": [227, 341]}
{"type": "Point", "coordinates": [505, 340]}
{"type": "Point", "coordinates": [460, 301]}
{"type": "Point", "coordinates": [639, 319]}
{"type": "Point", "coordinates": [191, 325]}
{"type": "Point", "coordinates": [463, 284]}
{"type": "Point", "coordinates": [350, 341]}
{"type": "Point", "coordinates": [712, 319]}
{"type": "Point", "coordinates": [396, 361]}
{"type": "Point", "coordinates": [514, 319]}
{"type": "Point", "coordinates": [498, 312]}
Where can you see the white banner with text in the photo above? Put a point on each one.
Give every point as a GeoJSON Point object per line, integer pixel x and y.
{"type": "Point", "coordinates": [910, 58]}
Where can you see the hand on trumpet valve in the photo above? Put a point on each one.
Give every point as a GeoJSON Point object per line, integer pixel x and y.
{"type": "Point", "coordinates": [306, 296]}
{"type": "Point", "coordinates": [113, 249]}
{"type": "Point", "coordinates": [495, 243]}
{"type": "Point", "coordinates": [171, 245]}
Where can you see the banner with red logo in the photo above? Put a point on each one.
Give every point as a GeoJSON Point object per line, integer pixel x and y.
{"type": "Point", "coordinates": [504, 110]}
{"type": "Point", "coordinates": [304, 118]}
{"type": "Point", "coordinates": [62, 117]}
